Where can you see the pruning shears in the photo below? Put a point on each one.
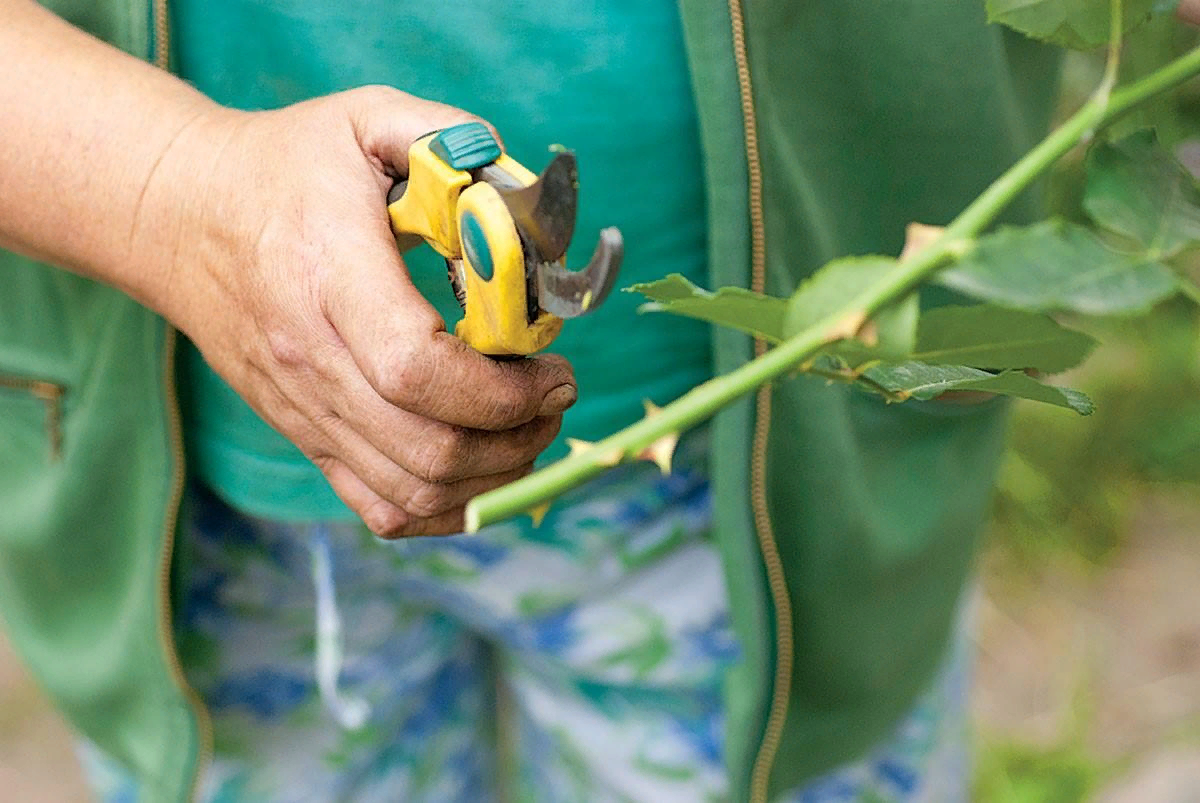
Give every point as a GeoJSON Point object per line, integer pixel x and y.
{"type": "Point", "coordinates": [504, 232]}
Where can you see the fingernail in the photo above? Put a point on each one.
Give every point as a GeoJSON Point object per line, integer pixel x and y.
{"type": "Point", "coordinates": [558, 400]}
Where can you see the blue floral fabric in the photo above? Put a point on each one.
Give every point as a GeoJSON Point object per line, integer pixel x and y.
{"type": "Point", "coordinates": [578, 661]}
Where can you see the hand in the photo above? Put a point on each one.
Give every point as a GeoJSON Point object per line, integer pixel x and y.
{"type": "Point", "coordinates": [284, 272]}
{"type": "Point", "coordinates": [1189, 11]}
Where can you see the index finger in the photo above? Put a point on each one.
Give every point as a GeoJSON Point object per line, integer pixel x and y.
{"type": "Point", "coordinates": [441, 377]}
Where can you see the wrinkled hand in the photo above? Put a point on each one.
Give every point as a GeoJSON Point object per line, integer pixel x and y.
{"type": "Point", "coordinates": [286, 276]}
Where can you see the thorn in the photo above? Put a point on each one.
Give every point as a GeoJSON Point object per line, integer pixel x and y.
{"type": "Point", "coordinates": [868, 333]}
{"type": "Point", "coordinates": [660, 452]}
{"type": "Point", "coordinates": [651, 408]}
{"type": "Point", "coordinates": [917, 236]}
{"type": "Point", "coordinates": [579, 447]}
{"type": "Point", "coordinates": [538, 513]}
{"type": "Point", "coordinates": [846, 328]}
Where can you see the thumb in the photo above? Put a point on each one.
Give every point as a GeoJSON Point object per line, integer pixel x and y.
{"type": "Point", "coordinates": [387, 121]}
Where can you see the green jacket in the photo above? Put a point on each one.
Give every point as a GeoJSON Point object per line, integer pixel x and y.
{"type": "Point", "coordinates": [848, 527]}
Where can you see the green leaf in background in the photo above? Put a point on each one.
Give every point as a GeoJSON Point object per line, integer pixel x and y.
{"type": "Point", "coordinates": [923, 381]}
{"type": "Point", "coordinates": [890, 335]}
{"type": "Point", "coordinates": [740, 309]}
{"type": "Point", "coordinates": [1059, 266]}
{"type": "Point", "coordinates": [1077, 24]}
{"type": "Point", "coordinates": [1138, 190]}
{"type": "Point", "coordinates": [832, 287]}
{"type": "Point", "coordinates": [984, 336]}
{"type": "Point", "coordinates": [895, 328]}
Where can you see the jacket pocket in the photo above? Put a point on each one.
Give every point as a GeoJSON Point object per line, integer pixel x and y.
{"type": "Point", "coordinates": [25, 400]}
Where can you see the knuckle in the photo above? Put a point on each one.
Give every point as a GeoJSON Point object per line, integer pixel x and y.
{"type": "Point", "coordinates": [429, 500]}
{"type": "Point", "coordinates": [285, 349]}
{"type": "Point", "coordinates": [446, 456]}
{"type": "Point", "coordinates": [401, 376]}
{"type": "Point", "coordinates": [377, 91]}
{"type": "Point", "coordinates": [385, 520]}
{"type": "Point", "coordinates": [371, 94]}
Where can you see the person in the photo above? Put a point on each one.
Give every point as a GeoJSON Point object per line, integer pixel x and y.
{"type": "Point", "coordinates": [216, 368]}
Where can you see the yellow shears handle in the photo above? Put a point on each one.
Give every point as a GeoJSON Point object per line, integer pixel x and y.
{"type": "Point", "coordinates": [467, 222]}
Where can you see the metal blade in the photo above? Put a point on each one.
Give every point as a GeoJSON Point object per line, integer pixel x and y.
{"type": "Point", "coordinates": [569, 294]}
{"type": "Point", "coordinates": [545, 210]}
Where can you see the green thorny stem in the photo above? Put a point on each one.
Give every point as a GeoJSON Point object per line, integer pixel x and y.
{"type": "Point", "coordinates": [538, 489]}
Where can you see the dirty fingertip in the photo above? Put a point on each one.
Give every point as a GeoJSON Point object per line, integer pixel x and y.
{"type": "Point", "coordinates": [558, 400]}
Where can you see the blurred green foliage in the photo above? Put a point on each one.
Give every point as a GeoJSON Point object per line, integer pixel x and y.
{"type": "Point", "coordinates": [1064, 772]}
{"type": "Point", "coordinates": [1069, 486]}
{"type": "Point", "coordinates": [1011, 773]}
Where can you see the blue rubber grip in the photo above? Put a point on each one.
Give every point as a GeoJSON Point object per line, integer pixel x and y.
{"type": "Point", "coordinates": [475, 247]}
{"type": "Point", "coordinates": [466, 146]}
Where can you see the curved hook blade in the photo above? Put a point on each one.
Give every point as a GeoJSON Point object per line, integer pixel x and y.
{"type": "Point", "coordinates": [568, 293]}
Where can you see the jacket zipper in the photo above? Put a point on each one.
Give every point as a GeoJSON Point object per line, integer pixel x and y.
{"type": "Point", "coordinates": [764, 760]}
{"type": "Point", "coordinates": [51, 394]}
{"type": "Point", "coordinates": [162, 35]}
{"type": "Point", "coordinates": [162, 59]}
{"type": "Point", "coordinates": [165, 632]}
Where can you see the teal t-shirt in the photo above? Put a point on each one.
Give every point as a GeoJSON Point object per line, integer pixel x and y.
{"type": "Point", "coordinates": [607, 78]}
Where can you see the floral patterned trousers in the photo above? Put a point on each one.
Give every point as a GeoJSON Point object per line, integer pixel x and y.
{"type": "Point", "coordinates": [580, 660]}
